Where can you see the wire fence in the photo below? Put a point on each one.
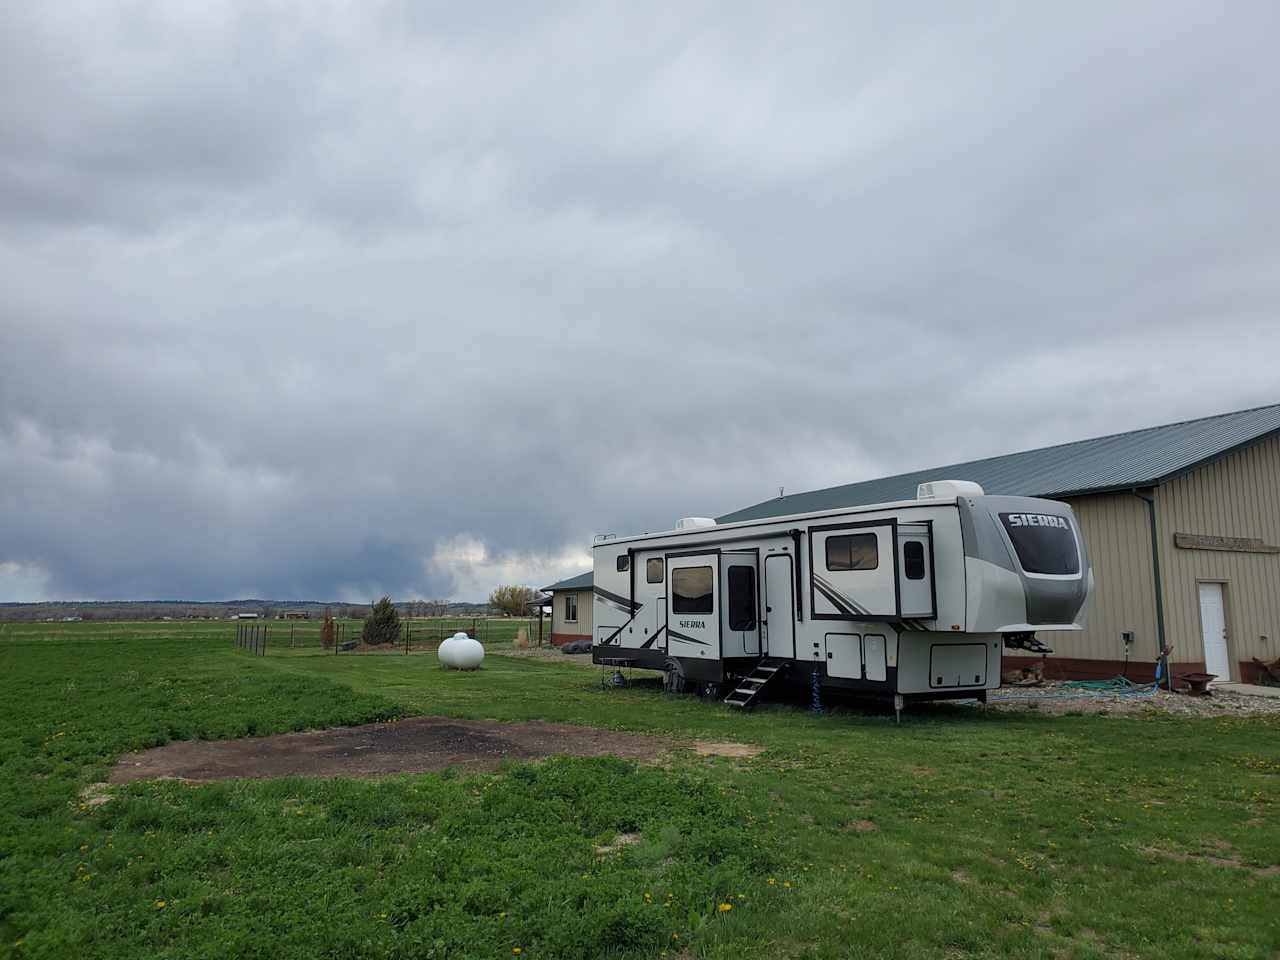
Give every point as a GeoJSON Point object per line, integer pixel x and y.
{"type": "Point", "coordinates": [252, 637]}
{"type": "Point", "coordinates": [417, 635]}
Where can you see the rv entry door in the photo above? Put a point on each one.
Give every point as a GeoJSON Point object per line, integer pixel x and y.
{"type": "Point", "coordinates": [693, 605]}
{"type": "Point", "coordinates": [739, 616]}
{"type": "Point", "coordinates": [779, 606]}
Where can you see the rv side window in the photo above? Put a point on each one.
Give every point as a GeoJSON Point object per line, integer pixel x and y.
{"type": "Point", "coordinates": [691, 589]}
{"type": "Point", "coordinates": [859, 551]}
{"type": "Point", "coordinates": [1045, 543]}
{"type": "Point", "coordinates": [913, 559]}
{"type": "Point", "coordinates": [571, 608]}
{"type": "Point", "coordinates": [742, 598]}
{"type": "Point", "coordinates": [653, 570]}
{"type": "Point", "coordinates": [624, 563]}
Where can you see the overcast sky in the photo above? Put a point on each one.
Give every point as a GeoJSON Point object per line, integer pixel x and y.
{"type": "Point", "coordinates": [330, 301]}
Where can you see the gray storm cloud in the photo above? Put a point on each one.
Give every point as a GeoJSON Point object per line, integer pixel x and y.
{"type": "Point", "coordinates": [327, 301]}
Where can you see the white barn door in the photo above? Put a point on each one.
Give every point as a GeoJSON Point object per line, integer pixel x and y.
{"type": "Point", "coordinates": [1213, 626]}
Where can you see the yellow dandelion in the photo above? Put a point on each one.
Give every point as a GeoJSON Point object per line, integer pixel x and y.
{"type": "Point", "coordinates": [773, 881]}
{"type": "Point", "coordinates": [516, 951]}
{"type": "Point", "coordinates": [160, 904]}
{"type": "Point", "coordinates": [787, 884]}
{"type": "Point", "coordinates": [725, 907]}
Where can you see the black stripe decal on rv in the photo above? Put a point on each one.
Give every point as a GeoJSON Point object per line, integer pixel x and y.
{"type": "Point", "coordinates": [613, 598]}
{"type": "Point", "coordinates": [650, 642]}
{"type": "Point", "coordinates": [686, 638]}
{"type": "Point", "coordinates": [614, 636]}
{"type": "Point", "coordinates": [839, 600]}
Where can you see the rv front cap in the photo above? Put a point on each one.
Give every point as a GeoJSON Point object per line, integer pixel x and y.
{"type": "Point", "coordinates": [1037, 520]}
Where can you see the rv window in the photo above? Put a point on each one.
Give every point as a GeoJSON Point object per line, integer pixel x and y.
{"type": "Point", "coordinates": [653, 570]}
{"type": "Point", "coordinates": [624, 563]}
{"type": "Point", "coordinates": [691, 590]}
{"type": "Point", "coordinates": [913, 559]}
{"type": "Point", "coordinates": [857, 552]}
{"type": "Point", "coordinates": [742, 598]}
{"type": "Point", "coordinates": [1045, 543]}
{"type": "Point", "coordinates": [571, 608]}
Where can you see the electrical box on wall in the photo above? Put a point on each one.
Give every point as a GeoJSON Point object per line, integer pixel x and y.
{"type": "Point", "coordinates": [1126, 637]}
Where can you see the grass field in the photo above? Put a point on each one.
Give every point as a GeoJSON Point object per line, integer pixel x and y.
{"type": "Point", "coordinates": [957, 834]}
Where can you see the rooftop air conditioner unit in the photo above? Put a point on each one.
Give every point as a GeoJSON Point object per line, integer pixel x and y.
{"type": "Point", "coordinates": [694, 523]}
{"type": "Point", "coordinates": [948, 489]}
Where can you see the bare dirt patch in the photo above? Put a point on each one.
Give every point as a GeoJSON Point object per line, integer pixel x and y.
{"type": "Point", "coordinates": [1230, 862]}
{"type": "Point", "coordinates": [710, 748]}
{"type": "Point", "coordinates": [95, 795]}
{"type": "Point", "coordinates": [620, 841]}
{"type": "Point", "coordinates": [416, 745]}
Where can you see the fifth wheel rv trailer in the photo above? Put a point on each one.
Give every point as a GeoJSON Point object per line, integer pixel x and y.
{"type": "Point", "coordinates": [913, 600]}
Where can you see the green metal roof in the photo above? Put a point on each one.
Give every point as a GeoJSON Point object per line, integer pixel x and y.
{"type": "Point", "coordinates": [1121, 461]}
{"type": "Point", "coordinates": [582, 581]}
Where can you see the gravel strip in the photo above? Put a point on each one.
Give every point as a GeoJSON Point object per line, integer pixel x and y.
{"type": "Point", "coordinates": [1055, 698]}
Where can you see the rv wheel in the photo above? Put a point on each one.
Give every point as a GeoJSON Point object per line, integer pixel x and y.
{"type": "Point", "coordinates": [673, 678]}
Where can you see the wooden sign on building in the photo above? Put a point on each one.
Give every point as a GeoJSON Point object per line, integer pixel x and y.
{"type": "Point", "coordinates": [1199, 541]}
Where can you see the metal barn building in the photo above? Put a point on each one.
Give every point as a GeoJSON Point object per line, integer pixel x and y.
{"type": "Point", "coordinates": [571, 609]}
{"type": "Point", "coordinates": [1182, 524]}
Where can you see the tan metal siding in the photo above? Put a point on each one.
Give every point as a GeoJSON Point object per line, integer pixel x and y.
{"type": "Point", "coordinates": [1118, 537]}
{"type": "Point", "coordinates": [1238, 496]}
{"type": "Point", "coordinates": [583, 624]}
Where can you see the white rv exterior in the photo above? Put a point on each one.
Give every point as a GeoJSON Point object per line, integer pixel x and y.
{"type": "Point", "coordinates": [913, 599]}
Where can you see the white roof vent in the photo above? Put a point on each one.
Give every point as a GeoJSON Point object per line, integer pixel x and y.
{"type": "Point", "coordinates": [694, 523]}
{"type": "Point", "coordinates": [947, 489]}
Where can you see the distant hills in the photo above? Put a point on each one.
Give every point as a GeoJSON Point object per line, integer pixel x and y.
{"type": "Point", "coordinates": [221, 609]}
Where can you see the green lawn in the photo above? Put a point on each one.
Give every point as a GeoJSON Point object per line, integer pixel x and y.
{"type": "Point", "coordinates": [954, 835]}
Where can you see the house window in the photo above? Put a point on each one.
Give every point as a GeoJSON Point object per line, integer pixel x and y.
{"type": "Point", "coordinates": [913, 559]}
{"type": "Point", "coordinates": [859, 551]}
{"type": "Point", "coordinates": [570, 608]}
{"type": "Point", "coordinates": [692, 590]}
{"type": "Point", "coordinates": [624, 563]}
{"type": "Point", "coordinates": [653, 570]}
{"type": "Point", "coordinates": [742, 598]}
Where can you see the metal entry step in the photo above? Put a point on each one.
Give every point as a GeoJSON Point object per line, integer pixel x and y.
{"type": "Point", "coordinates": [749, 688]}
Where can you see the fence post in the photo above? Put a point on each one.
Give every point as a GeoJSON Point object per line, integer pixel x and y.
{"type": "Point", "coordinates": [266, 632]}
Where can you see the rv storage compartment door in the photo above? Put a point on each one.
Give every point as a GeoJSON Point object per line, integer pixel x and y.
{"type": "Point", "coordinates": [693, 605]}
{"type": "Point", "coordinates": [844, 655]}
{"type": "Point", "coordinates": [958, 665]}
{"type": "Point", "coordinates": [915, 570]}
{"type": "Point", "coordinates": [874, 653]}
{"type": "Point", "coordinates": [853, 575]}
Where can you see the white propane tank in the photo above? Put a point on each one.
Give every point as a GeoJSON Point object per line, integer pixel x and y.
{"type": "Point", "coordinates": [460, 652]}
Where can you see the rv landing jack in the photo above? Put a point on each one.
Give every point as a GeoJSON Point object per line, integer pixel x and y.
{"type": "Point", "coordinates": [897, 708]}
